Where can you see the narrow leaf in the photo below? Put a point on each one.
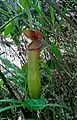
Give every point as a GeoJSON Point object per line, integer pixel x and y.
{"type": "Point", "coordinates": [39, 104]}
{"type": "Point", "coordinates": [9, 107]}
{"type": "Point", "coordinates": [10, 100]}
{"type": "Point", "coordinates": [52, 14]}
{"type": "Point", "coordinates": [8, 29]}
{"type": "Point", "coordinates": [56, 51]}
{"type": "Point", "coordinates": [4, 12]}
{"type": "Point", "coordinates": [25, 4]}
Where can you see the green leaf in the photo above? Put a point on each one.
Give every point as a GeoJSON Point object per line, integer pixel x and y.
{"type": "Point", "coordinates": [4, 12]}
{"type": "Point", "coordinates": [56, 51]}
{"type": "Point", "coordinates": [9, 107]}
{"type": "Point", "coordinates": [25, 68]}
{"type": "Point", "coordinates": [1, 83]}
{"type": "Point", "coordinates": [10, 101]}
{"type": "Point", "coordinates": [12, 106]}
{"type": "Point", "coordinates": [52, 64]}
{"type": "Point", "coordinates": [18, 9]}
{"type": "Point", "coordinates": [17, 79]}
{"type": "Point", "coordinates": [39, 104]}
{"type": "Point", "coordinates": [41, 19]}
{"type": "Point", "coordinates": [56, 105]}
{"type": "Point", "coordinates": [52, 14]}
{"type": "Point", "coordinates": [8, 29]}
{"type": "Point", "coordinates": [74, 75]}
{"type": "Point", "coordinates": [40, 11]}
{"type": "Point", "coordinates": [25, 4]}
{"type": "Point", "coordinates": [11, 20]}
{"type": "Point", "coordinates": [35, 104]}
{"type": "Point", "coordinates": [8, 64]}
{"type": "Point", "coordinates": [19, 74]}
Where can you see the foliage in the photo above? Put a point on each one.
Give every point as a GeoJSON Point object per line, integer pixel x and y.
{"type": "Point", "coordinates": [58, 22]}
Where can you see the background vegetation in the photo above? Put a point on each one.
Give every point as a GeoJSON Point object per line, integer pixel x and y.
{"type": "Point", "coordinates": [57, 19]}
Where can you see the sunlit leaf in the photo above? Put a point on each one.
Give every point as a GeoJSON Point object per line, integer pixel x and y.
{"type": "Point", "coordinates": [8, 29]}
{"type": "Point", "coordinates": [52, 14]}
{"type": "Point", "coordinates": [56, 51]}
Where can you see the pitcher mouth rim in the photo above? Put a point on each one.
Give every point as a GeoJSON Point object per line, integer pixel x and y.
{"type": "Point", "coordinates": [35, 48]}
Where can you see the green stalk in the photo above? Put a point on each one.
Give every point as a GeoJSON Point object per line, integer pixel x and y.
{"type": "Point", "coordinates": [34, 80]}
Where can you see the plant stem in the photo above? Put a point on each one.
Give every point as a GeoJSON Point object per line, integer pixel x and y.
{"type": "Point", "coordinates": [34, 82]}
